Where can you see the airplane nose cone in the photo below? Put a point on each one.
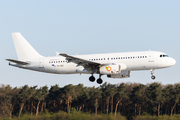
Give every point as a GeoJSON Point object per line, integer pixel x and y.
{"type": "Point", "coordinates": [173, 62]}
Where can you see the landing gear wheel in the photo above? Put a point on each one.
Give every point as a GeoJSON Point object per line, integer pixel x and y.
{"type": "Point", "coordinates": [153, 77]}
{"type": "Point", "coordinates": [92, 78]}
{"type": "Point", "coordinates": [152, 73]}
{"type": "Point", "coordinates": [99, 81]}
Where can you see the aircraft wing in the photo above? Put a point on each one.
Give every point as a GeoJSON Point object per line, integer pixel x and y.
{"type": "Point", "coordinates": [80, 61]}
{"type": "Point", "coordinates": [17, 61]}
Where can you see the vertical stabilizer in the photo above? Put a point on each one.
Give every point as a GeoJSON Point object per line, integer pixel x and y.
{"type": "Point", "coordinates": [23, 49]}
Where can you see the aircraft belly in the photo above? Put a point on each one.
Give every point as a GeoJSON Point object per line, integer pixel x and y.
{"type": "Point", "coordinates": [62, 68]}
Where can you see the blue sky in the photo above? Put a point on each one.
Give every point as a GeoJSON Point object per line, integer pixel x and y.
{"type": "Point", "coordinates": [87, 27]}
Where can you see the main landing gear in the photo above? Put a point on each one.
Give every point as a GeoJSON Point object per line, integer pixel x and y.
{"type": "Point", "coordinates": [152, 73]}
{"type": "Point", "coordinates": [92, 79]}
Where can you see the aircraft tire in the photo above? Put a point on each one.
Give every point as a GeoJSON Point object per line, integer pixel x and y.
{"type": "Point", "coordinates": [153, 77]}
{"type": "Point", "coordinates": [99, 81]}
{"type": "Point", "coordinates": [92, 78]}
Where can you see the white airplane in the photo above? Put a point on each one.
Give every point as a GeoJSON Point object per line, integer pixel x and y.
{"type": "Point", "coordinates": [114, 65]}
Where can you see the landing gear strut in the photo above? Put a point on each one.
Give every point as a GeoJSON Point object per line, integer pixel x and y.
{"type": "Point", "coordinates": [99, 80]}
{"type": "Point", "coordinates": [152, 73]}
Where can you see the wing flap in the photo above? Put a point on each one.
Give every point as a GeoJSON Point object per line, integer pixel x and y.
{"type": "Point", "coordinates": [17, 61]}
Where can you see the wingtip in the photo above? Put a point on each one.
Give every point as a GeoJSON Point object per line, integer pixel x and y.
{"type": "Point", "coordinates": [56, 53]}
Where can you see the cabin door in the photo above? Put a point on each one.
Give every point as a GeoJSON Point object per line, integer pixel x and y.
{"type": "Point", "coordinates": [151, 56]}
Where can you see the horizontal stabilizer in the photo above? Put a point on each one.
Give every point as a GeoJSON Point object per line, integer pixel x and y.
{"type": "Point", "coordinates": [17, 61]}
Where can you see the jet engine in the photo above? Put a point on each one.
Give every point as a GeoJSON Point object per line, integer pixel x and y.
{"type": "Point", "coordinates": [110, 69]}
{"type": "Point", "coordinates": [123, 74]}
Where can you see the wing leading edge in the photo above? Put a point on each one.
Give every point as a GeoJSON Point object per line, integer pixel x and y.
{"type": "Point", "coordinates": [80, 61]}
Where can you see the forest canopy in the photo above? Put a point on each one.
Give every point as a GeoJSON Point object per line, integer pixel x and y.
{"type": "Point", "coordinates": [125, 99]}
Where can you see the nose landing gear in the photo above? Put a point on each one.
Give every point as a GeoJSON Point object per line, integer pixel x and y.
{"type": "Point", "coordinates": [152, 73]}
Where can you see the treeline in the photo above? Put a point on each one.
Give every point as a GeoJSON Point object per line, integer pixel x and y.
{"type": "Point", "coordinates": [127, 99]}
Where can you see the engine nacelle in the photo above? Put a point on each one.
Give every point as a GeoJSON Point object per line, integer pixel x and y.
{"type": "Point", "coordinates": [110, 69]}
{"type": "Point", "coordinates": [123, 74]}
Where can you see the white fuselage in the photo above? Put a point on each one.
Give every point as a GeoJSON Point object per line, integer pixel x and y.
{"type": "Point", "coordinates": [114, 65]}
{"type": "Point", "coordinates": [145, 60]}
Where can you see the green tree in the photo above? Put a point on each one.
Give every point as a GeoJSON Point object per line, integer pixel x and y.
{"type": "Point", "coordinates": [25, 94]}
{"type": "Point", "coordinates": [95, 95]}
{"type": "Point", "coordinates": [167, 95]}
{"type": "Point", "coordinates": [40, 96]}
{"type": "Point", "coordinates": [108, 92]}
{"type": "Point", "coordinates": [175, 97]}
{"type": "Point", "coordinates": [52, 98]}
{"type": "Point", "coordinates": [6, 100]}
{"type": "Point", "coordinates": [138, 97]}
{"type": "Point", "coordinates": [120, 95]}
{"type": "Point", "coordinates": [83, 97]}
{"type": "Point", "coordinates": [154, 95]}
{"type": "Point", "coordinates": [69, 94]}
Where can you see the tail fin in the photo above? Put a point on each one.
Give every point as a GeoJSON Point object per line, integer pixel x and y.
{"type": "Point", "coordinates": [23, 49]}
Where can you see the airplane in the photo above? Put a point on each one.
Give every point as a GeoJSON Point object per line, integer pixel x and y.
{"type": "Point", "coordinates": [114, 65]}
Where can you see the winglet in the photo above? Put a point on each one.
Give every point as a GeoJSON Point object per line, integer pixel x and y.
{"type": "Point", "coordinates": [57, 53]}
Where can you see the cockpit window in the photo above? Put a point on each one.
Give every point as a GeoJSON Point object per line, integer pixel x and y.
{"type": "Point", "coordinates": [164, 56]}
